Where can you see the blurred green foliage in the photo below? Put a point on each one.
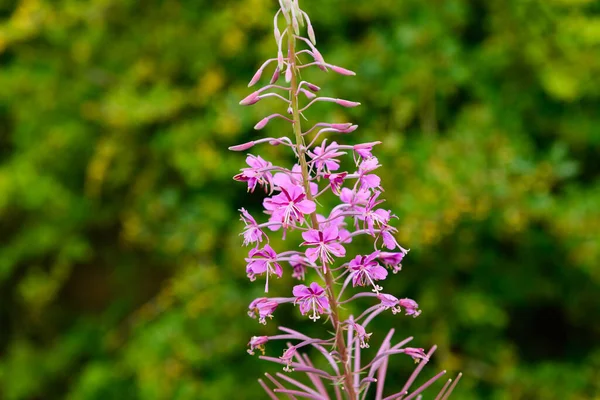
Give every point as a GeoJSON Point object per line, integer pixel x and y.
{"type": "Point", "coordinates": [121, 272]}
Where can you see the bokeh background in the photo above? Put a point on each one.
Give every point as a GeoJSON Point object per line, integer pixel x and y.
{"type": "Point", "coordinates": [121, 268]}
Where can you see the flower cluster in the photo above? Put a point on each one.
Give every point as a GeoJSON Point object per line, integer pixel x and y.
{"type": "Point", "coordinates": [292, 206]}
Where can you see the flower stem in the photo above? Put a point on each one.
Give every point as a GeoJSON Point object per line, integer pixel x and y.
{"type": "Point", "coordinates": [301, 151]}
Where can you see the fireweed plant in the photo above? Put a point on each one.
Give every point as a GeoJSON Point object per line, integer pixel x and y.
{"type": "Point", "coordinates": [292, 206]}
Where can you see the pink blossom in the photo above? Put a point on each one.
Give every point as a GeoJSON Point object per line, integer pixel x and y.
{"type": "Point", "coordinates": [361, 334]}
{"type": "Point", "coordinates": [369, 181]}
{"type": "Point", "coordinates": [262, 261]}
{"type": "Point", "coordinates": [288, 356]}
{"type": "Point", "coordinates": [365, 271]}
{"type": "Point", "coordinates": [336, 181]}
{"type": "Point", "coordinates": [416, 354]}
{"type": "Point", "coordinates": [388, 301]}
{"type": "Point", "coordinates": [252, 233]}
{"type": "Point", "coordinates": [326, 242]}
{"type": "Point", "coordinates": [311, 298]}
{"type": "Point", "coordinates": [257, 342]}
{"type": "Point", "coordinates": [364, 149]}
{"type": "Point", "coordinates": [263, 308]}
{"type": "Point", "coordinates": [372, 217]}
{"type": "Point", "coordinates": [354, 198]}
{"type": "Point", "coordinates": [338, 222]}
{"type": "Point", "coordinates": [289, 206]}
{"type": "Point", "coordinates": [298, 264]}
{"type": "Point", "coordinates": [325, 157]}
{"type": "Point", "coordinates": [410, 307]}
{"type": "Point", "coordinates": [387, 232]}
{"type": "Point", "coordinates": [292, 178]}
{"type": "Point", "coordinates": [257, 173]}
{"type": "Point", "coordinates": [392, 260]}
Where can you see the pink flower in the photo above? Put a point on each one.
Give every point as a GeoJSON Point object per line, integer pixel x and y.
{"type": "Point", "coordinates": [336, 181]}
{"type": "Point", "coordinates": [372, 217]}
{"type": "Point", "coordinates": [292, 178]}
{"type": "Point", "coordinates": [416, 354]}
{"type": "Point", "coordinates": [338, 222]}
{"type": "Point", "coordinates": [389, 241]}
{"type": "Point", "coordinates": [369, 181]}
{"type": "Point", "coordinates": [289, 206]}
{"type": "Point", "coordinates": [256, 174]}
{"type": "Point", "coordinates": [365, 271]}
{"type": "Point", "coordinates": [262, 261]}
{"type": "Point", "coordinates": [354, 198]}
{"type": "Point", "coordinates": [361, 334]}
{"type": "Point", "coordinates": [364, 149]}
{"type": "Point", "coordinates": [288, 356]}
{"type": "Point", "coordinates": [252, 233]}
{"type": "Point", "coordinates": [263, 307]}
{"type": "Point", "coordinates": [410, 306]}
{"type": "Point", "coordinates": [257, 342]}
{"type": "Point", "coordinates": [298, 264]}
{"type": "Point", "coordinates": [313, 298]}
{"type": "Point", "coordinates": [388, 301]}
{"type": "Point", "coordinates": [326, 242]}
{"type": "Point", "coordinates": [325, 157]}
{"type": "Point", "coordinates": [392, 260]}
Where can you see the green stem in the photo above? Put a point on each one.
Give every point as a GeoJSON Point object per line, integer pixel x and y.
{"type": "Point", "coordinates": [329, 284]}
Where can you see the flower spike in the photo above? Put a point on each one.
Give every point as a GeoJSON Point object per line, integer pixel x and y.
{"type": "Point", "coordinates": [294, 205]}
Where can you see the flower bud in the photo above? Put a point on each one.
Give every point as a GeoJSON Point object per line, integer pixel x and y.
{"type": "Point", "coordinates": [341, 127]}
{"type": "Point", "coordinates": [276, 31]}
{"type": "Point", "coordinates": [253, 98]}
{"type": "Point", "coordinates": [308, 94]}
{"type": "Point", "coordinates": [256, 77]}
{"type": "Point", "coordinates": [312, 87]}
{"type": "Point", "coordinates": [276, 74]}
{"type": "Point", "coordinates": [262, 123]}
{"type": "Point", "coordinates": [311, 34]}
{"type": "Point", "coordinates": [350, 129]}
{"type": "Point", "coordinates": [242, 147]}
{"type": "Point", "coordinates": [347, 103]}
{"type": "Point", "coordinates": [342, 71]}
{"type": "Point", "coordinates": [279, 59]}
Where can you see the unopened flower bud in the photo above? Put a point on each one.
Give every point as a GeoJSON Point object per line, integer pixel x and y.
{"type": "Point", "coordinates": [262, 123]}
{"type": "Point", "coordinates": [313, 87]}
{"type": "Point", "coordinates": [341, 127]}
{"type": "Point", "coordinates": [276, 31]}
{"type": "Point", "coordinates": [256, 77]}
{"type": "Point", "coordinates": [342, 71]}
{"type": "Point", "coordinates": [279, 59]}
{"type": "Point", "coordinates": [241, 147]}
{"type": "Point", "coordinates": [350, 129]}
{"type": "Point", "coordinates": [253, 98]}
{"type": "Point", "coordinates": [347, 103]}
{"type": "Point", "coordinates": [311, 34]}
{"type": "Point", "coordinates": [308, 94]}
{"type": "Point", "coordinates": [276, 74]}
